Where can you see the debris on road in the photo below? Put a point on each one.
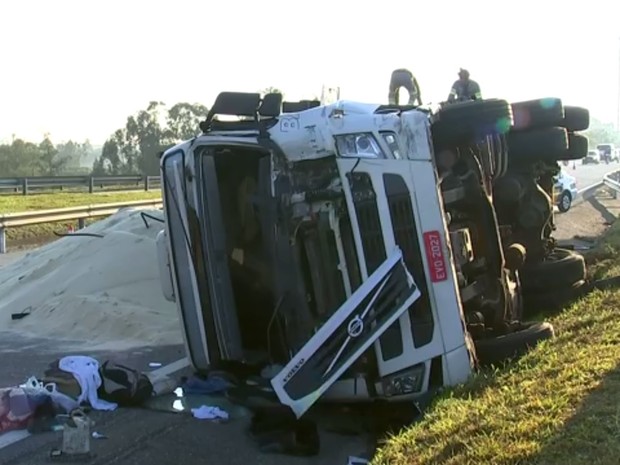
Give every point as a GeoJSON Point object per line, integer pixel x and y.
{"type": "Point", "coordinates": [58, 400]}
{"type": "Point", "coordinates": [205, 412]}
{"type": "Point", "coordinates": [357, 461]}
{"type": "Point", "coordinates": [24, 313]}
{"type": "Point", "coordinates": [211, 385]}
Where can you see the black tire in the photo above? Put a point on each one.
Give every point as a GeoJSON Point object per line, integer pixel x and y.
{"type": "Point", "coordinates": [466, 122]}
{"type": "Point", "coordinates": [561, 269]}
{"type": "Point", "coordinates": [536, 114]}
{"type": "Point", "coordinates": [576, 118]}
{"type": "Point", "coordinates": [552, 301]}
{"type": "Point", "coordinates": [496, 350]}
{"type": "Point", "coordinates": [577, 147]}
{"type": "Point", "coordinates": [547, 144]}
{"type": "Point", "coordinates": [566, 200]}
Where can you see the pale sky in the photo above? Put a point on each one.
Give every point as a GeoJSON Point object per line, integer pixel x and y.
{"type": "Point", "coordinates": [77, 68]}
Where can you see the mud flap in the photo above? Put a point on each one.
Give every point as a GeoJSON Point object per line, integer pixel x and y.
{"type": "Point", "coordinates": [342, 339]}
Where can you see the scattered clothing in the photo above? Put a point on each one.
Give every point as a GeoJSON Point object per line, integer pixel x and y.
{"type": "Point", "coordinates": [205, 412]}
{"type": "Point", "coordinates": [212, 385]}
{"type": "Point", "coordinates": [123, 385]}
{"type": "Point", "coordinates": [17, 407]}
{"type": "Point", "coordinates": [86, 371]}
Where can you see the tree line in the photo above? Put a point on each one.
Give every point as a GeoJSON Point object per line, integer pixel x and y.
{"type": "Point", "coordinates": [21, 158]}
{"type": "Point", "coordinates": [134, 148]}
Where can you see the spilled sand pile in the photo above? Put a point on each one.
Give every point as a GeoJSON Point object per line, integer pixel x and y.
{"type": "Point", "coordinates": [104, 292]}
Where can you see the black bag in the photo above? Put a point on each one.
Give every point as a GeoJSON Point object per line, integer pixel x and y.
{"type": "Point", "coordinates": [123, 385]}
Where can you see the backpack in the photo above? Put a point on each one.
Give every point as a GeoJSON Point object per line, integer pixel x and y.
{"type": "Point", "coordinates": [65, 382]}
{"type": "Point", "coordinates": [123, 385]}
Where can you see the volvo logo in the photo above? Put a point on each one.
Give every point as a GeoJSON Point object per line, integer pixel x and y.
{"type": "Point", "coordinates": [355, 327]}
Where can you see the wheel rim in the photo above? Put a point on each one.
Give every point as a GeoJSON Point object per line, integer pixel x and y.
{"type": "Point", "coordinates": [566, 202]}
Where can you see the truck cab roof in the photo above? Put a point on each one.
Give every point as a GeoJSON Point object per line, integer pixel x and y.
{"type": "Point", "coordinates": [309, 131]}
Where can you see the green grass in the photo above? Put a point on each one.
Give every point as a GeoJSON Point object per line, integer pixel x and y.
{"type": "Point", "coordinates": [560, 404]}
{"type": "Point", "coordinates": [31, 234]}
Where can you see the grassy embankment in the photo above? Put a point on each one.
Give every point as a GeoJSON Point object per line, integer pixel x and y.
{"type": "Point", "coordinates": [34, 233]}
{"type": "Point", "coordinates": [557, 405]}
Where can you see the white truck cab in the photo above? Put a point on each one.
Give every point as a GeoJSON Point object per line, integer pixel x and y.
{"type": "Point", "coordinates": [316, 240]}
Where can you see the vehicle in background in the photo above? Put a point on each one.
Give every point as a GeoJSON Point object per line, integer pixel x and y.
{"type": "Point", "coordinates": [607, 152]}
{"type": "Point", "coordinates": [564, 191]}
{"type": "Point", "coordinates": [593, 157]}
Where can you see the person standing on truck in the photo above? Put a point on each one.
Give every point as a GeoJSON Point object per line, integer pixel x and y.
{"type": "Point", "coordinates": [404, 78]}
{"type": "Point", "coordinates": [464, 89]}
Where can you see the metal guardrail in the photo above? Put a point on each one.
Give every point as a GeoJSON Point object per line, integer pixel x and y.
{"type": "Point", "coordinates": [612, 180]}
{"type": "Point", "coordinates": [28, 184]}
{"type": "Point", "coordinates": [11, 220]}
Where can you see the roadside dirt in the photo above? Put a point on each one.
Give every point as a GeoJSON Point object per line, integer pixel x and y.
{"type": "Point", "coordinates": [584, 223]}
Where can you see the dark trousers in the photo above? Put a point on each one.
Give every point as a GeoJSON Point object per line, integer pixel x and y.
{"type": "Point", "coordinates": [403, 78]}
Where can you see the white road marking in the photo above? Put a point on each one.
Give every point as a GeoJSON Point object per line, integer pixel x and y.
{"type": "Point", "coordinates": [12, 437]}
{"type": "Point", "coordinates": [171, 368]}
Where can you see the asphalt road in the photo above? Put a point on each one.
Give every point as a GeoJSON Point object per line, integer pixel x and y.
{"type": "Point", "coordinates": [587, 175]}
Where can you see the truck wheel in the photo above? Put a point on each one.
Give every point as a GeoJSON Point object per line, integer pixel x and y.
{"type": "Point", "coordinates": [566, 200]}
{"type": "Point", "coordinates": [561, 269]}
{"type": "Point", "coordinates": [540, 113]}
{"type": "Point", "coordinates": [470, 121]}
{"type": "Point", "coordinates": [548, 144]}
{"type": "Point", "coordinates": [577, 147]}
{"type": "Point", "coordinates": [499, 349]}
{"type": "Point", "coordinates": [576, 118]}
{"type": "Point", "coordinates": [553, 300]}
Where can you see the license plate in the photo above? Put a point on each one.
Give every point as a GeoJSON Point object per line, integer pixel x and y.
{"type": "Point", "coordinates": [434, 254]}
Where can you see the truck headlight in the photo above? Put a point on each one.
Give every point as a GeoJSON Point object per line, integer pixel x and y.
{"type": "Point", "coordinates": [404, 382]}
{"type": "Point", "coordinates": [363, 145]}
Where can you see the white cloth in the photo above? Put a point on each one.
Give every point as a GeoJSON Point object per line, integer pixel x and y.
{"type": "Point", "coordinates": [204, 412]}
{"type": "Point", "coordinates": [86, 372]}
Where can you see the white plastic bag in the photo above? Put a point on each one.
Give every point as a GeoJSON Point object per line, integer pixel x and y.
{"type": "Point", "coordinates": [60, 400]}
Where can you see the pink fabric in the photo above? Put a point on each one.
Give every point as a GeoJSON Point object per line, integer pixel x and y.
{"type": "Point", "coordinates": [15, 411]}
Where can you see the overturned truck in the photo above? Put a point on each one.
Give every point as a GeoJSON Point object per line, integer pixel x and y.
{"type": "Point", "coordinates": [357, 248]}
